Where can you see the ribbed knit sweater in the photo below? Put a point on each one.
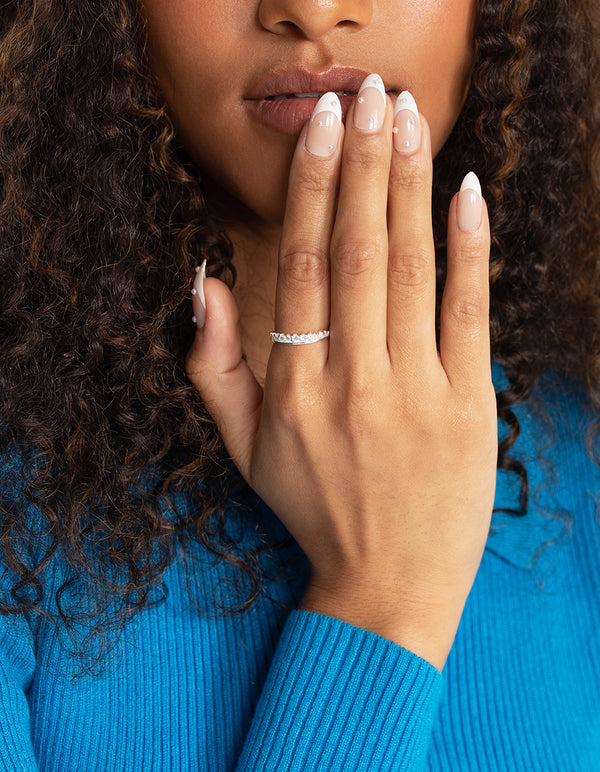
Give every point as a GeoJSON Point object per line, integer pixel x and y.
{"type": "Point", "coordinates": [283, 689]}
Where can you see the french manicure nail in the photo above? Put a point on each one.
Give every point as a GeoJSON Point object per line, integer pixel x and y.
{"type": "Point", "coordinates": [198, 299]}
{"type": "Point", "coordinates": [324, 128]}
{"type": "Point", "coordinates": [369, 110]}
{"type": "Point", "coordinates": [468, 210]}
{"type": "Point", "coordinates": [407, 126]}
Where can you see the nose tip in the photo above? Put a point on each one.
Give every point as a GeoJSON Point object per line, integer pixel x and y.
{"type": "Point", "coordinates": [313, 19]}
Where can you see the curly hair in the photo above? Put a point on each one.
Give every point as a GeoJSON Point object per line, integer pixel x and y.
{"type": "Point", "coordinates": [102, 220]}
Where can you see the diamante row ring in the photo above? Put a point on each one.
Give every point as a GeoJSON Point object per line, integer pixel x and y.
{"type": "Point", "coordinates": [298, 339]}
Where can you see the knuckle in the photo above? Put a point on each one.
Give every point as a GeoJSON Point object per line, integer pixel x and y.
{"type": "Point", "coordinates": [412, 175]}
{"type": "Point", "coordinates": [199, 369]}
{"type": "Point", "coordinates": [467, 310]}
{"type": "Point", "coordinates": [471, 417]}
{"type": "Point", "coordinates": [311, 181]}
{"type": "Point", "coordinates": [471, 251]}
{"type": "Point", "coordinates": [364, 158]}
{"type": "Point", "coordinates": [354, 258]}
{"type": "Point", "coordinates": [289, 413]}
{"type": "Point", "coordinates": [359, 408]}
{"type": "Point", "coordinates": [302, 265]}
{"type": "Point", "coordinates": [430, 420]}
{"type": "Point", "coordinates": [409, 269]}
{"type": "Point", "coordinates": [464, 417]}
{"type": "Point", "coordinates": [289, 407]}
{"type": "Point", "coordinates": [298, 397]}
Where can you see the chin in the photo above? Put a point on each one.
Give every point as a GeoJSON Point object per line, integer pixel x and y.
{"type": "Point", "coordinates": [265, 194]}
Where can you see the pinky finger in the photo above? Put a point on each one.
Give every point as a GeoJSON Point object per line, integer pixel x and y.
{"type": "Point", "coordinates": [464, 319]}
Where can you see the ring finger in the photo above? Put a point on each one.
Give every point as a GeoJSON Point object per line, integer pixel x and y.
{"type": "Point", "coordinates": [411, 277]}
{"type": "Point", "coordinates": [302, 295]}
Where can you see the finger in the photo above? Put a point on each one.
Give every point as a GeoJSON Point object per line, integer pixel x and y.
{"type": "Point", "coordinates": [359, 244]}
{"type": "Point", "coordinates": [464, 320]}
{"type": "Point", "coordinates": [215, 366]}
{"type": "Point", "coordinates": [302, 295]}
{"type": "Point", "coordinates": [411, 262]}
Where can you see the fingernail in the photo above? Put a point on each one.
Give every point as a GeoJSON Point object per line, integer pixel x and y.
{"type": "Point", "coordinates": [325, 124]}
{"type": "Point", "coordinates": [407, 126]}
{"type": "Point", "coordinates": [369, 110]}
{"type": "Point", "coordinates": [468, 211]}
{"type": "Point", "coordinates": [198, 299]}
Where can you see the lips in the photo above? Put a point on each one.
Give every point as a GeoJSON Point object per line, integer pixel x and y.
{"type": "Point", "coordinates": [310, 95]}
{"type": "Point", "coordinates": [301, 81]}
{"type": "Point", "coordinates": [284, 100]}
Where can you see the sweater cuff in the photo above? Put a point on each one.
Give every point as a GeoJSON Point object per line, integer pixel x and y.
{"type": "Point", "coordinates": [341, 698]}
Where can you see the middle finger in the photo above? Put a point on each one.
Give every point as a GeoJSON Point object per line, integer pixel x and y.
{"type": "Point", "coordinates": [359, 243]}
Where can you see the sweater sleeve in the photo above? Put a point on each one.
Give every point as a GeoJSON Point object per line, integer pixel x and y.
{"type": "Point", "coordinates": [340, 698]}
{"type": "Point", "coordinates": [17, 664]}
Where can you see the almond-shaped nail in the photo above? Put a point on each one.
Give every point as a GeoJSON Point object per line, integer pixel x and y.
{"type": "Point", "coordinates": [407, 126]}
{"type": "Point", "coordinates": [469, 208]}
{"type": "Point", "coordinates": [325, 126]}
{"type": "Point", "coordinates": [198, 299]}
{"type": "Point", "coordinates": [369, 110]}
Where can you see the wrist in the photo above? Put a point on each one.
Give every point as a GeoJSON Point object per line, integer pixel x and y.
{"type": "Point", "coordinates": [427, 632]}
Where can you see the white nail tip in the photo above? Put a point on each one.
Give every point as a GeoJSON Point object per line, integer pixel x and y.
{"type": "Point", "coordinates": [471, 182]}
{"type": "Point", "coordinates": [373, 81]}
{"type": "Point", "coordinates": [198, 288]}
{"type": "Point", "coordinates": [406, 101]}
{"type": "Point", "coordinates": [329, 102]}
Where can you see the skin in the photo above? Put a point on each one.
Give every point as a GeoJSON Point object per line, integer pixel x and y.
{"type": "Point", "coordinates": [208, 54]}
{"type": "Point", "coordinates": [376, 451]}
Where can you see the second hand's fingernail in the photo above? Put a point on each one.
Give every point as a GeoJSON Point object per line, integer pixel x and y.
{"type": "Point", "coordinates": [407, 126]}
{"type": "Point", "coordinates": [369, 110]}
{"type": "Point", "coordinates": [325, 124]}
{"type": "Point", "coordinates": [469, 208]}
{"type": "Point", "coordinates": [198, 299]}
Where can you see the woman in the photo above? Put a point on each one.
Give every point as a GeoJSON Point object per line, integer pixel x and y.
{"type": "Point", "coordinates": [225, 552]}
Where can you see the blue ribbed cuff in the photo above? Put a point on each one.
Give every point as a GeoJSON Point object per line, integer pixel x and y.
{"type": "Point", "coordinates": [341, 698]}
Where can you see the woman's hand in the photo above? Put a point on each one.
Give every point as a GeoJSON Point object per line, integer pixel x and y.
{"type": "Point", "coordinates": [377, 452]}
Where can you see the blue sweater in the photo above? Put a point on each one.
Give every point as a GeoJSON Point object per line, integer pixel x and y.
{"type": "Point", "coordinates": [280, 689]}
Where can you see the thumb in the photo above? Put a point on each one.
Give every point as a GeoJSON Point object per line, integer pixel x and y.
{"type": "Point", "coordinates": [214, 365]}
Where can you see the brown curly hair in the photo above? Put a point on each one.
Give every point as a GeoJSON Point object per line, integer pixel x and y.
{"type": "Point", "coordinates": [102, 220]}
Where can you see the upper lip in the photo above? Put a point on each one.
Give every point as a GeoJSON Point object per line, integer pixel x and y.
{"type": "Point", "coordinates": [303, 81]}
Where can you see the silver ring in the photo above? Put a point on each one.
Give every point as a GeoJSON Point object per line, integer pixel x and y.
{"type": "Point", "coordinates": [295, 339]}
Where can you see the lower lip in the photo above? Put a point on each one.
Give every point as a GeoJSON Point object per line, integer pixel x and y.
{"type": "Point", "coordinates": [288, 115]}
